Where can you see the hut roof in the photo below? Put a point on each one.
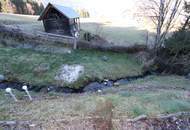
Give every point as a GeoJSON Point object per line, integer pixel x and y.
{"type": "Point", "coordinates": [68, 12]}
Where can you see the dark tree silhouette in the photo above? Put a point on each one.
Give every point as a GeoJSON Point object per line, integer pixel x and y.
{"type": "Point", "coordinates": [0, 7]}
{"type": "Point", "coordinates": [22, 6]}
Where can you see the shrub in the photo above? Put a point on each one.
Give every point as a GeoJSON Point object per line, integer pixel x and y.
{"type": "Point", "coordinates": [178, 43]}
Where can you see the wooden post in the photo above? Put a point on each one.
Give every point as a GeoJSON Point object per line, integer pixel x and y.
{"type": "Point", "coordinates": [75, 43]}
{"type": "Point", "coordinates": [147, 37]}
{"type": "Point", "coordinates": [76, 37]}
{"type": "Point", "coordinates": [79, 24]}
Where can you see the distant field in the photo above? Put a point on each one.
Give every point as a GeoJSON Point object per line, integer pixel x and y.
{"type": "Point", "coordinates": [26, 22]}
{"type": "Point", "coordinates": [113, 32]}
{"type": "Point", "coordinates": [117, 33]}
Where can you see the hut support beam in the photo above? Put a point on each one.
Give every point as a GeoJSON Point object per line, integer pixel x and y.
{"type": "Point", "coordinates": [75, 44]}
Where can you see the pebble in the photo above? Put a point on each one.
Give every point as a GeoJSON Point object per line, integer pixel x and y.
{"type": "Point", "coordinates": [99, 91]}
{"type": "Point", "coordinates": [116, 84]}
{"type": "Point", "coordinates": [188, 76]}
{"type": "Point", "coordinates": [105, 58]}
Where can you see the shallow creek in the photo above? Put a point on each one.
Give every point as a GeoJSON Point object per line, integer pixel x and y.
{"type": "Point", "coordinates": [90, 87]}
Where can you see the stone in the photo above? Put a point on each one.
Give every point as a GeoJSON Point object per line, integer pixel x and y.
{"type": "Point", "coordinates": [116, 84]}
{"type": "Point", "coordinates": [69, 73]}
{"type": "Point", "coordinates": [141, 117]}
{"type": "Point", "coordinates": [105, 81]}
{"type": "Point", "coordinates": [99, 91]}
{"type": "Point", "coordinates": [105, 58]}
{"type": "Point", "coordinates": [188, 76]}
{"type": "Point", "coordinates": [2, 77]}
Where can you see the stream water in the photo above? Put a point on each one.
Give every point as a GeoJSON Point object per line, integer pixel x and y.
{"type": "Point", "coordinates": [91, 87]}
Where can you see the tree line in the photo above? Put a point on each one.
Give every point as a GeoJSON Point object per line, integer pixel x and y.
{"type": "Point", "coordinates": [21, 7]}
{"type": "Point", "coordinates": [83, 13]}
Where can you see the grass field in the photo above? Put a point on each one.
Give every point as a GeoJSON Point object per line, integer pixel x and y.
{"type": "Point", "coordinates": [113, 32]}
{"type": "Point", "coordinates": [121, 36]}
{"type": "Point", "coordinates": [151, 96]}
{"type": "Point", "coordinates": [21, 64]}
{"type": "Point", "coordinates": [25, 22]}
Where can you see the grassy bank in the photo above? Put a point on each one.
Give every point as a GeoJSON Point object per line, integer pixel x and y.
{"type": "Point", "coordinates": [129, 101]}
{"type": "Point", "coordinates": [20, 65]}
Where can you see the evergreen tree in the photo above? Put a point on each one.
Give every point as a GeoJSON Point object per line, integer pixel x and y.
{"type": "Point", "coordinates": [186, 24]}
{"type": "Point", "coordinates": [0, 7]}
{"type": "Point", "coordinates": [21, 6]}
{"type": "Point", "coordinates": [4, 6]}
{"type": "Point", "coordinates": [83, 13]}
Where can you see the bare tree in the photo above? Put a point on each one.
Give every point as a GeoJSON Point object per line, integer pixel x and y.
{"type": "Point", "coordinates": [186, 14]}
{"type": "Point", "coordinates": [163, 14]}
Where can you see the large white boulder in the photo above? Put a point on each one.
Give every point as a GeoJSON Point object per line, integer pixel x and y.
{"type": "Point", "coordinates": [69, 73]}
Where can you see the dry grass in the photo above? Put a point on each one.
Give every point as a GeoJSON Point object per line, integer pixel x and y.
{"type": "Point", "coordinates": [118, 33]}
{"type": "Point", "coordinates": [26, 22]}
{"type": "Point", "coordinates": [125, 102]}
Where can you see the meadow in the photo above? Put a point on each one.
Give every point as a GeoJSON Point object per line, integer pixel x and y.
{"type": "Point", "coordinates": [114, 33]}
{"type": "Point", "coordinates": [152, 95]}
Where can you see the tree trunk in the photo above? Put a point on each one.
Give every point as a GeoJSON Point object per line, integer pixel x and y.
{"type": "Point", "coordinates": [186, 23]}
{"type": "Point", "coordinates": [159, 25]}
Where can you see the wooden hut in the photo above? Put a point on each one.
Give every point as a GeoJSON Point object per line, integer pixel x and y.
{"type": "Point", "coordinates": [60, 20]}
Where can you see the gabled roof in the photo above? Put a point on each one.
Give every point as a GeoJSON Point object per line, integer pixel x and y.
{"type": "Point", "coordinates": [68, 12]}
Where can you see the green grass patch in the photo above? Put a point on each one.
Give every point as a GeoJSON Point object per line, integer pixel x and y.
{"type": "Point", "coordinates": [20, 64]}
{"type": "Point", "coordinates": [170, 81]}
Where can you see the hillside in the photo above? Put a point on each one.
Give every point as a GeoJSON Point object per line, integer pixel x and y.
{"type": "Point", "coordinates": [84, 89]}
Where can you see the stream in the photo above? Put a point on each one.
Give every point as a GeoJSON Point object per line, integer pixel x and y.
{"type": "Point", "coordinates": [90, 87]}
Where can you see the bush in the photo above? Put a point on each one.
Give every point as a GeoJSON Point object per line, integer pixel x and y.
{"type": "Point", "coordinates": [4, 6]}
{"type": "Point", "coordinates": [178, 43]}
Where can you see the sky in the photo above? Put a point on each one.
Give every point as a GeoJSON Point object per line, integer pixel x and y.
{"type": "Point", "coordinates": [100, 8]}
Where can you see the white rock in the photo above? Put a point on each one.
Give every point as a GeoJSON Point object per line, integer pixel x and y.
{"type": "Point", "coordinates": [2, 77]}
{"type": "Point", "coordinates": [69, 73]}
{"type": "Point", "coordinates": [69, 52]}
{"type": "Point", "coordinates": [99, 91]}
